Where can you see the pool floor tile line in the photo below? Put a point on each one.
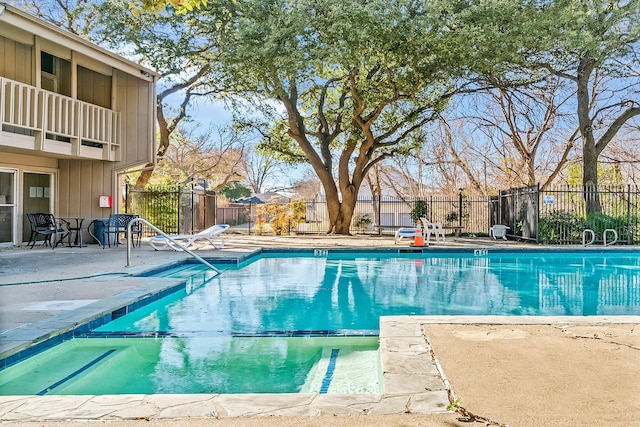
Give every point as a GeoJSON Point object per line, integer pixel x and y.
{"type": "Point", "coordinates": [77, 372]}
{"type": "Point", "coordinates": [328, 376]}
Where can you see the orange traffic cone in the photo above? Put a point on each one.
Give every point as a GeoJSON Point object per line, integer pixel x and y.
{"type": "Point", "coordinates": [419, 239]}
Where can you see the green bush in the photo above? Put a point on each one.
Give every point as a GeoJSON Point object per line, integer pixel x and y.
{"type": "Point", "coordinates": [563, 227]}
{"type": "Point", "coordinates": [420, 210]}
{"type": "Point", "coordinates": [599, 222]}
{"type": "Point", "coordinates": [559, 226]}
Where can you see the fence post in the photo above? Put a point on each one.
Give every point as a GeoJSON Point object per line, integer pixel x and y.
{"type": "Point", "coordinates": [192, 205]}
{"type": "Point", "coordinates": [500, 193]}
{"type": "Point", "coordinates": [629, 234]}
{"type": "Point", "coordinates": [379, 214]}
{"type": "Point", "coordinates": [431, 207]}
{"type": "Point", "coordinates": [460, 208]}
{"type": "Point", "coordinates": [179, 208]}
{"type": "Point", "coordinates": [538, 213]}
{"type": "Point", "coordinates": [126, 198]}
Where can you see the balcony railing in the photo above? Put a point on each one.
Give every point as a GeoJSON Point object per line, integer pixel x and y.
{"type": "Point", "coordinates": [39, 120]}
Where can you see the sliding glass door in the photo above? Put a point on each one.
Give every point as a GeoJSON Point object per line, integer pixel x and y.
{"type": "Point", "coordinates": [7, 207]}
{"type": "Point", "coordinates": [36, 197]}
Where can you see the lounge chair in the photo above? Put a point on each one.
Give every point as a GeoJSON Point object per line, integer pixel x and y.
{"type": "Point", "coordinates": [430, 228]}
{"type": "Point", "coordinates": [186, 241]}
{"type": "Point", "coordinates": [404, 232]}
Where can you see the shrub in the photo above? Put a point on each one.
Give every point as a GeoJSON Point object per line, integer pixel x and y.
{"type": "Point", "coordinates": [280, 216]}
{"type": "Point", "coordinates": [559, 226]}
{"type": "Point", "coordinates": [420, 210]}
{"type": "Point", "coordinates": [599, 222]}
{"type": "Point", "coordinates": [362, 221]}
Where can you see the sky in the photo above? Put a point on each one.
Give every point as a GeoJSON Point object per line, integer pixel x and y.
{"type": "Point", "coordinates": [205, 113]}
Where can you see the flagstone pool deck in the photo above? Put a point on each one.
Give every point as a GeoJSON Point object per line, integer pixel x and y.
{"type": "Point", "coordinates": [517, 371]}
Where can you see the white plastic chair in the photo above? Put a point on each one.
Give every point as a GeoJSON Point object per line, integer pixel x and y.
{"type": "Point", "coordinates": [499, 231]}
{"type": "Point", "coordinates": [434, 228]}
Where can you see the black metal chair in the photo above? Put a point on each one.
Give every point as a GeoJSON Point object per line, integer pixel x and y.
{"type": "Point", "coordinates": [49, 227]}
{"type": "Point", "coordinates": [117, 225]}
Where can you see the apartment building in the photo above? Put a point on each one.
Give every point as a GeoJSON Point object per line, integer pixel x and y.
{"type": "Point", "coordinates": [73, 118]}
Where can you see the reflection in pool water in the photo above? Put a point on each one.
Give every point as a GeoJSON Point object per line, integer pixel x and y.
{"type": "Point", "coordinates": [350, 292]}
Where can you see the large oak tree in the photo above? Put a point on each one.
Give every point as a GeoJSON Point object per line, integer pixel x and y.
{"type": "Point", "coordinates": [594, 46]}
{"type": "Point", "coordinates": [346, 83]}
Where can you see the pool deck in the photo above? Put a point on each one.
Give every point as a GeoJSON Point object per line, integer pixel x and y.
{"type": "Point", "coordinates": [517, 371]}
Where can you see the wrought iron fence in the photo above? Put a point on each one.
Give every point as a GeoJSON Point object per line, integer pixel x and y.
{"type": "Point", "coordinates": [371, 215]}
{"type": "Point", "coordinates": [552, 216]}
{"type": "Point", "coordinates": [559, 215]}
{"type": "Point", "coordinates": [173, 209]}
{"type": "Point", "coordinates": [563, 214]}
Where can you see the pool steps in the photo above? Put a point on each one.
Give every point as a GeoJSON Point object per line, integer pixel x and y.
{"type": "Point", "coordinates": [343, 371]}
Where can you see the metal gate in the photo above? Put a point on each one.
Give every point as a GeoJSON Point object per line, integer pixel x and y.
{"type": "Point", "coordinates": [173, 209]}
{"type": "Point", "coordinates": [518, 209]}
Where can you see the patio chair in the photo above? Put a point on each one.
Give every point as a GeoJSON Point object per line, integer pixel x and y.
{"type": "Point", "coordinates": [499, 231]}
{"type": "Point", "coordinates": [186, 241]}
{"type": "Point", "coordinates": [117, 226]}
{"type": "Point", "coordinates": [430, 228]}
{"type": "Point", "coordinates": [46, 225]}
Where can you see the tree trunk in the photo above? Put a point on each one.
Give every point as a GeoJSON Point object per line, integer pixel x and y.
{"type": "Point", "coordinates": [341, 208]}
{"type": "Point", "coordinates": [144, 178]}
{"type": "Point", "coordinates": [590, 151]}
{"type": "Point", "coordinates": [376, 193]}
{"type": "Point", "coordinates": [590, 178]}
{"type": "Point", "coordinates": [343, 222]}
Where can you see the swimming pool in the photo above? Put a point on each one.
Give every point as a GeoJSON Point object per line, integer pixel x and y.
{"type": "Point", "coordinates": [346, 293]}
{"type": "Point", "coordinates": [318, 312]}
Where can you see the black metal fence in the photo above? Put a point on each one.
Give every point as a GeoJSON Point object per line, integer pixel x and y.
{"type": "Point", "coordinates": [559, 215]}
{"type": "Point", "coordinates": [381, 215]}
{"type": "Point", "coordinates": [173, 209]}
{"type": "Point", "coordinates": [552, 216]}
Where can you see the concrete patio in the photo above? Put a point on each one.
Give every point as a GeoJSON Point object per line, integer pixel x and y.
{"type": "Point", "coordinates": [518, 371]}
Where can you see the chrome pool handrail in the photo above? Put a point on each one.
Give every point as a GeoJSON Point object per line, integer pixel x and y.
{"type": "Point", "coordinates": [584, 237]}
{"type": "Point", "coordinates": [604, 236]}
{"type": "Point", "coordinates": [162, 233]}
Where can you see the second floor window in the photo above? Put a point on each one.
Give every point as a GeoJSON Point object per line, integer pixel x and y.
{"type": "Point", "coordinates": [55, 74]}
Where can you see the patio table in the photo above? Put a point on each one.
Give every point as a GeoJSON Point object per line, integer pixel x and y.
{"type": "Point", "coordinates": [75, 226]}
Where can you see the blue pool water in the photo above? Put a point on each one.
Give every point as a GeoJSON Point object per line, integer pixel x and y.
{"type": "Point", "coordinates": [288, 323]}
{"type": "Point", "coordinates": [347, 293]}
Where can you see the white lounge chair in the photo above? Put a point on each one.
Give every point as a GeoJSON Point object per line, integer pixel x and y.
{"type": "Point", "coordinates": [430, 228]}
{"type": "Point", "coordinates": [404, 232]}
{"type": "Point", "coordinates": [186, 241]}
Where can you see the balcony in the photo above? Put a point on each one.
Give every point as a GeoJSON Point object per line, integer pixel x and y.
{"type": "Point", "coordinates": [55, 125]}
